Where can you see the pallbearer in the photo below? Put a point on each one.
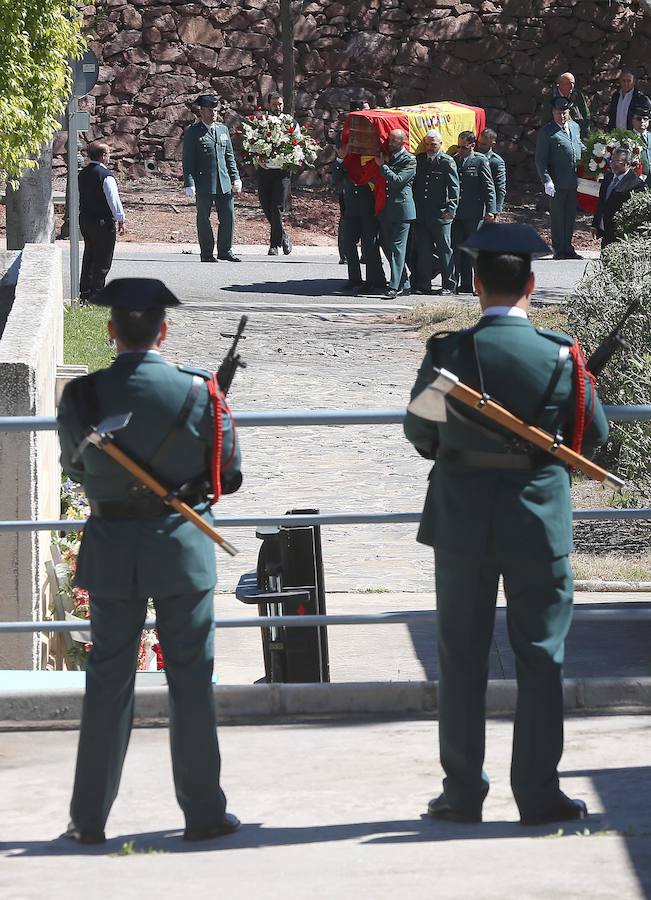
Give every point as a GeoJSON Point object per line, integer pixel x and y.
{"type": "Point", "coordinates": [496, 507]}
{"type": "Point", "coordinates": [135, 547]}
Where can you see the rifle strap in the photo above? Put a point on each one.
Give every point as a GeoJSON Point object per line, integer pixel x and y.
{"type": "Point", "coordinates": [179, 422]}
{"type": "Point", "coordinates": [563, 356]}
{"type": "Point", "coordinates": [581, 373]}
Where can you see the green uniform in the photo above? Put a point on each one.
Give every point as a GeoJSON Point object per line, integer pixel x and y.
{"type": "Point", "coordinates": [132, 550]}
{"type": "Point", "coordinates": [436, 193]}
{"type": "Point", "coordinates": [476, 200]}
{"type": "Point", "coordinates": [498, 171]}
{"type": "Point", "coordinates": [489, 514]}
{"type": "Point", "coordinates": [557, 156]}
{"type": "Point", "coordinates": [358, 222]}
{"type": "Point", "coordinates": [398, 212]}
{"type": "Point", "coordinates": [209, 166]}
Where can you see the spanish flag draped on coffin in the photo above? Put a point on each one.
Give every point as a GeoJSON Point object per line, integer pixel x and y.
{"type": "Point", "coordinates": [366, 132]}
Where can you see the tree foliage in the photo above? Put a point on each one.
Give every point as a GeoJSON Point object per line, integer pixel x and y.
{"type": "Point", "coordinates": [634, 218]}
{"type": "Point", "coordinates": [602, 297]}
{"type": "Point", "coordinates": [37, 37]}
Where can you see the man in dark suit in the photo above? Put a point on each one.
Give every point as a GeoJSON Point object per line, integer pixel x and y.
{"type": "Point", "coordinates": [210, 172]}
{"type": "Point", "coordinates": [134, 547]}
{"type": "Point", "coordinates": [624, 101]}
{"type": "Point", "coordinates": [494, 508]}
{"type": "Point", "coordinates": [399, 210]}
{"type": "Point", "coordinates": [436, 194]}
{"type": "Point", "coordinates": [274, 186]}
{"type": "Point", "coordinates": [615, 190]}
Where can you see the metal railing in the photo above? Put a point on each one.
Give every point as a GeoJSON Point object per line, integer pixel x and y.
{"type": "Point", "coordinates": [283, 418]}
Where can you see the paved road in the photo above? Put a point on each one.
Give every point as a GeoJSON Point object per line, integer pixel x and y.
{"type": "Point", "coordinates": [332, 810]}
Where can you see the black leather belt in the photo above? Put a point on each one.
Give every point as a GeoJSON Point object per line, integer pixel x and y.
{"type": "Point", "coordinates": [140, 508]}
{"type": "Point", "coordinates": [486, 460]}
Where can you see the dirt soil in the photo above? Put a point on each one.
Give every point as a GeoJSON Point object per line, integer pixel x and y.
{"type": "Point", "coordinates": [157, 211]}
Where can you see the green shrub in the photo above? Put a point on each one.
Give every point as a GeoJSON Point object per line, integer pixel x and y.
{"type": "Point", "coordinates": [622, 275]}
{"type": "Point", "coordinates": [634, 218]}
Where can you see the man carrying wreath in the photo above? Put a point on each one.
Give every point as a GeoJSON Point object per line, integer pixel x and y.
{"type": "Point", "coordinates": [273, 188]}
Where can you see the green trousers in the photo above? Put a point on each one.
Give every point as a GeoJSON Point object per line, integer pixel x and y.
{"type": "Point", "coordinates": [563, 218]}
{"type": "Point", "coordinates": [223, 203]}
{"type": "Point", "coordinates": [185, 629]}
{"type": "Point", "coordinates": [394, 236]}
{"type": "Point", "coordinates": [427, 237]}
{"type": "Point", "coordinates": [539, 613]}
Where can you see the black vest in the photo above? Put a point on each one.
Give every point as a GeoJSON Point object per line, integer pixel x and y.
{"type": "Point", "coordinates": [93, 205]}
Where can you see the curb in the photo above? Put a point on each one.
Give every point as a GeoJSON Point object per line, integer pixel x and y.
{"type": "Point", "coordinates": [615, 586]}
{"type": "Point", "coordinates": [269, 702]}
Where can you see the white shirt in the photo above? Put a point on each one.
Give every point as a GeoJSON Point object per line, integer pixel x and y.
{"type": "Point", "coordinates": [621, 117]}
{"type": "Point", "coordinates": [110, 188]}
{"type": "Point", "coordinates": [516, 311]}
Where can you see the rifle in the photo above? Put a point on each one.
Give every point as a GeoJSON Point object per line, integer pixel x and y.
{"type": "Point", "coordinates": [430, 405]}
{"type": "Point", "coordinates": [611, 343]}
{"type": "Point", "coordinates": [232, 361]}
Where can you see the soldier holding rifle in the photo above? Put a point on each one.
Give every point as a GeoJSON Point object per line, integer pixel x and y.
{"type": "Point", "coordinates": [135, 546]}
{"type": "Point", "coordinates": [497, 506]}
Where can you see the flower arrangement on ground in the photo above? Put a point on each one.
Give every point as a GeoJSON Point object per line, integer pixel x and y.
{"type": "Point", "coordinates": [599, 147]}
{"type": "Point", "coordinates": [276, 142]}
{"type": "Point", "coordinates": [75, 600]}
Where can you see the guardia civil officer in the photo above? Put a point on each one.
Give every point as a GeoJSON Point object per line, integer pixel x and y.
{"type": "Point", "coordinates": [436, 195]}
{"type": "Point", "coordinates": [486, 144]}
{"type": "Point", "coordinates": [558, 152]}
{"type": "Point", "coordinates": [477, 204]}
{"type": "Point", "coordinates": [135, 547]}
{"type": "Point", "coordinates": [358, 222]}
{"type": "Point", "coordinates": [210, 172]}
{"type": "Point", "coordinates": [399, 210]}
{"type": "Point", "coordinates": [495, 507]}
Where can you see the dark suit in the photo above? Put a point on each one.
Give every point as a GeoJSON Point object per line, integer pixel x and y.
{"type": "Point", "coordinates": [155, 553]}
{"type": "Point", "coordinates": [399, 210]}
{"type": "Point", "coordinates": [209, 166]}
{"type": "Point", "coordinates": [436, 193]}
{"type": "Point", "coordinates": [489, 514]}
{"type": "Point", "coordinates": [638, 99]}
{"type": "Point", "coordinates": [358, 222]}
{"type": "Point", "coordinates": [611, 201]}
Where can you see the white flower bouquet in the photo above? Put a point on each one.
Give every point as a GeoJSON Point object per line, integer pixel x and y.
{"type": "Point", "coordinates": [276, 142]}
{"type": "Point", "coordinates": [599, 147]}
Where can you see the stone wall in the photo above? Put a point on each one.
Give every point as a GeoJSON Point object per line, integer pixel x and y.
{"type": "Point", "coordinates": [499, 54]}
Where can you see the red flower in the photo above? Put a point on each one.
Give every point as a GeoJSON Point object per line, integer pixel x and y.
{"type": "Point", "coordinates": [160, 664]}
{"type": "Point", "coordinates": [294, 142]}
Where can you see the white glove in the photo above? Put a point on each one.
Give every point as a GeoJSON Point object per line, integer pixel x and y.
{"type": "Point", "coordinates": [189, 191]}
{"type": "Point", "coordinates": [237, 186]}
{"type": "Point", "coordinates": [550, 190]}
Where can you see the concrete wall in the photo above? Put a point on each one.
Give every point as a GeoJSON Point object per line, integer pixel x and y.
{"type": "Point", "coordinates": [31, 347]}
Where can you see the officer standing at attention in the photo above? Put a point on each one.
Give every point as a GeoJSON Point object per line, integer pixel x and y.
{"type": "Point", "coordinates": [486, 143]}
{"type": "Point", "coordinates": [358, 222]}
{"type": "Point", "coordinates": [558, 153]}
{"type": "Point", "coordinates": [100, 212]}
{"type": "Point", "coordinates": [495, 507]}
{"type": "Point", "coordinates": [477, 203]}
{"type": "Point", "coordinates": [210, 172]}
{"type": "Point", "coordinates": [399, 210]}
{"type": "Point", "coordinates": [436, 195]}
{"type": "Point", "coordinates": [135, 547]}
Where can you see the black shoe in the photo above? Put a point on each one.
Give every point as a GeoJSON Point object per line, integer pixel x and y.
{"type": "Point", "coordinates": [439, 808]}
{"type": "Point", "coordinates": [208, 259]}
{"type": "Point", "coordinates": [367, 289]}
{"type": "Point", "coordinates": [422, 291]}
{"type": "Point", "coordinates": [391, 294]}
{"type": "Point", "coordinates": [572, 254]}
{"type": "Point", "coordinates": [230, 256]}
{"type": "Point", "coordinates": [342, 260]}
{"type": "Point", "coordinates": [559, 256]}
{"type": "Point", "coordinates": [444, 292]}
{"type": "Point", "coordinates": [84, 837]}
{"type": "Point", "coordinates": [272, 251]}
{"type": "Point", "coordinates": [564, 810]}
{"type": "Point", "coordinates": [230, 825]}
{"type": "Point", "coordinates": [287, 245]}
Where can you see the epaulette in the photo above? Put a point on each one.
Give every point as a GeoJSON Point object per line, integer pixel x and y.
{"type": "Point", "coordinates": [195, 370]}
{"type": "Point", "coordinates": [556, 336]}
